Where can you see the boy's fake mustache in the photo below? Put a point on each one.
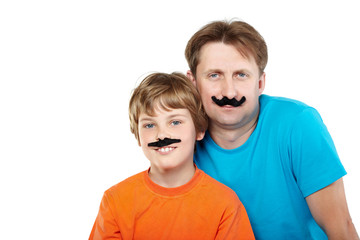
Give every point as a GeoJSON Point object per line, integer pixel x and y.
{"type": "Point", "coordinates": [163, 142]}
{"type": "Point", "coordinates": [225, 101]}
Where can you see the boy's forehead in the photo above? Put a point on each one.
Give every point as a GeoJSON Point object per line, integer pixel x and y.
{"type": "Point", "coordinates": [160, 110]}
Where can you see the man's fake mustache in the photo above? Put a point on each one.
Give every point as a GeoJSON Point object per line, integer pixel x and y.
{"type": "Point", "coordinates": [225, 101]}
{"type": "Point", "coordinates": [164, 142]}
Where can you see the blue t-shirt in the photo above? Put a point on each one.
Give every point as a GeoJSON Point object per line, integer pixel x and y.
{"type": "Point", "coordinates": [289, 156]}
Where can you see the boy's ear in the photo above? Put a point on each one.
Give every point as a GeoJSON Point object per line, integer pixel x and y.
{"type": "Point", "coordinates": [191, 77]}
{"type": "Point", "coordinates": [200, 136]}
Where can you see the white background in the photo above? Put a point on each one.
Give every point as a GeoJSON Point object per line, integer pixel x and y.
{"type": "Point", "coordinates": [67, 69]}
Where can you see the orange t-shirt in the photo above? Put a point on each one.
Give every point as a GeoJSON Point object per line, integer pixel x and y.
{"type": "Point", "coordinates": [202, 209]}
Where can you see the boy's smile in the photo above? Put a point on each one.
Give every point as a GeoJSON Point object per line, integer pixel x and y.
{"type": "Point", "coordinates": [167, 138]}
{"type": "Point", "coordinates": [165, 150]}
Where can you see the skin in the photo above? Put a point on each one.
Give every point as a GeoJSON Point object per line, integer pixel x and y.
{"type": "Point", "coordinates": [223, 71]}
{"type": "Point", "coordinates": [172, 165]}
{"type": "Point", "coordinates": [329, 209]}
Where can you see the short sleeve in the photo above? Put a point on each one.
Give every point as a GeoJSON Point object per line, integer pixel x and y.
{"type": "Point", "coordinates": [235, 223]}
{"type": "Point", "coordinates": [105, 226]}
{"type": "Point", "coordinates": [314, 159]}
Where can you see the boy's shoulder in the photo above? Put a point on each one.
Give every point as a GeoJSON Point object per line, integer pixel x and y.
{"type": "Point", "coordinates": [218, 190]}
{"type": "Point", "coordinates": [128, 185]}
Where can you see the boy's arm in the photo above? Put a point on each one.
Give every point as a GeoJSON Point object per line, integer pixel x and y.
{"type": "Point", "coordinates": [235, 224]}
{"type": "Point", "coordinates": [105, 226]}
{"type": "Point", "coordinates": [329, 209]}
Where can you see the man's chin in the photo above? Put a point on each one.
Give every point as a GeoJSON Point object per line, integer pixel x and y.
{"type": "Point", "coordinates": [227, 123]}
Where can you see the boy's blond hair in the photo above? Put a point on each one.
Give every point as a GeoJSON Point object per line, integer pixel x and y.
{"type": "Point", "coordinates": [170, 91]}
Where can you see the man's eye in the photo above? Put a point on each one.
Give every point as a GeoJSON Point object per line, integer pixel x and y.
{"type": "Point", "coordinates": [174, 123]}
{"type": "Point", "coordinates": [214, 75]}
{"type": "Point", "coordinates": [149, 125]}
{"type": "Point", "coordinates": [242, 75]}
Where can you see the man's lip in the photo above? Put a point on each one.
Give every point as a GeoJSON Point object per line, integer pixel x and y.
{"type": "Point", "coordinates": [225, 100]}
{"type": "Point", "coordinates": [227, 106]}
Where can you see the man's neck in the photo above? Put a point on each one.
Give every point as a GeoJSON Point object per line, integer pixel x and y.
{"type": "Point", "coordinates": [231, 138]}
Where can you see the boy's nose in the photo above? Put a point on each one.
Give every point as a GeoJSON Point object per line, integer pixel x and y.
{"type": "Point", "coordinates": [161, 134]}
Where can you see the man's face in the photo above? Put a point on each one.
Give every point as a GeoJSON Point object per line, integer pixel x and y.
{"type": "Point", "coordinates": [223, 72]}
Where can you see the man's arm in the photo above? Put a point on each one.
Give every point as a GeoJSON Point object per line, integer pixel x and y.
{"type": "Point", "coordinates": [329, 208]}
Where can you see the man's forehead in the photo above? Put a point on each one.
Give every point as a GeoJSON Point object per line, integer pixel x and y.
{"type": "Point", "coordinates": [213, 52]}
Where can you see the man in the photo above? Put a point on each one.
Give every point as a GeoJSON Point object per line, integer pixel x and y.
{"type": "Point", "coordinates": [275, 153]}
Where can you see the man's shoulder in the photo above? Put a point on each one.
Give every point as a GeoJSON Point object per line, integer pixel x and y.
{"type": "Point", "coordinates": [281, 107]}
{"type": "Point", "coordinates": [280, 102]}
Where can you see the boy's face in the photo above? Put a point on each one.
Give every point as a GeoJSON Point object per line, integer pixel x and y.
{"type": "Point", "coordinates": [173, 124]}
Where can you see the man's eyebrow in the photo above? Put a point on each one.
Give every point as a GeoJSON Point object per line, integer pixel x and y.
{"type": "Point", "coordinates": [216, 70]}
{"type": "Point", "coordinates": [213, 70]}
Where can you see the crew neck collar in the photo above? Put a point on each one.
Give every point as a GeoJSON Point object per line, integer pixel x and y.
{"type": "Point", "coordinates": [173, 192]}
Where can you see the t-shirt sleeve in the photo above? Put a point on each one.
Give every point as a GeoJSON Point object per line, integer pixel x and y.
{"type": "Point", "coordinates": [105, 226]}
{"type": "Point", "coordinates": [235, 224]}
{"type": "Point", "coordinates": [314, 159]}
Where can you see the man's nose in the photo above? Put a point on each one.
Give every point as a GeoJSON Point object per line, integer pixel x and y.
{"type": "Point", "coordinates": [228, 88]}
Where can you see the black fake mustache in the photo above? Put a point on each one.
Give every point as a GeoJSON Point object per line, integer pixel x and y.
{"type": "Point", "coordinates": [225, 101]}
{"type": "Point", "coordinates": [164, 142]}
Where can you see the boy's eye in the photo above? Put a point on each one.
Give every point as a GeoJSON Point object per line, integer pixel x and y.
{"type": "Point", "coordinates": [149, 125]}
{"type": "Point", "coordinates": [174, 123]}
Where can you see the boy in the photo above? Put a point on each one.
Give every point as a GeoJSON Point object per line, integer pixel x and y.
{"type": "Point", "coordinates": [173, 199]}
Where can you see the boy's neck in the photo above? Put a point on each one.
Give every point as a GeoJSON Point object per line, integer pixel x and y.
{"type": "Point", "coordinates": [174, 177]}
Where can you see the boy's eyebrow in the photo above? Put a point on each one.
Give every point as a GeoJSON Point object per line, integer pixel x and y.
{"type": "Point", "coordinates": [148, 118]}
{"type": "Point", "coordinates": [176, 115]}
{"type": "Point", "coordinates": [145, 119]}
{"type": "Point", "coordinates": [183, 116]}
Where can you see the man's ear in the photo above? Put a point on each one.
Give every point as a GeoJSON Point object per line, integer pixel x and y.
{"type": "Point", "coordinates": [262, 83]}
{"type": "Point", "coordinates": [190, 76]}
{"type": "Point", "coordinates": [200, 136]}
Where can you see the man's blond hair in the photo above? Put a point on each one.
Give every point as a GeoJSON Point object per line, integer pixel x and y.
{"type": "Point", "coordinates": [239, 34]}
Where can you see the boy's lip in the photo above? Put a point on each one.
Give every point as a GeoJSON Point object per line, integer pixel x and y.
{"type": "Point", "coordinates": [164, 142]}
{"type": "Point", "coordinates": [165, 150]}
